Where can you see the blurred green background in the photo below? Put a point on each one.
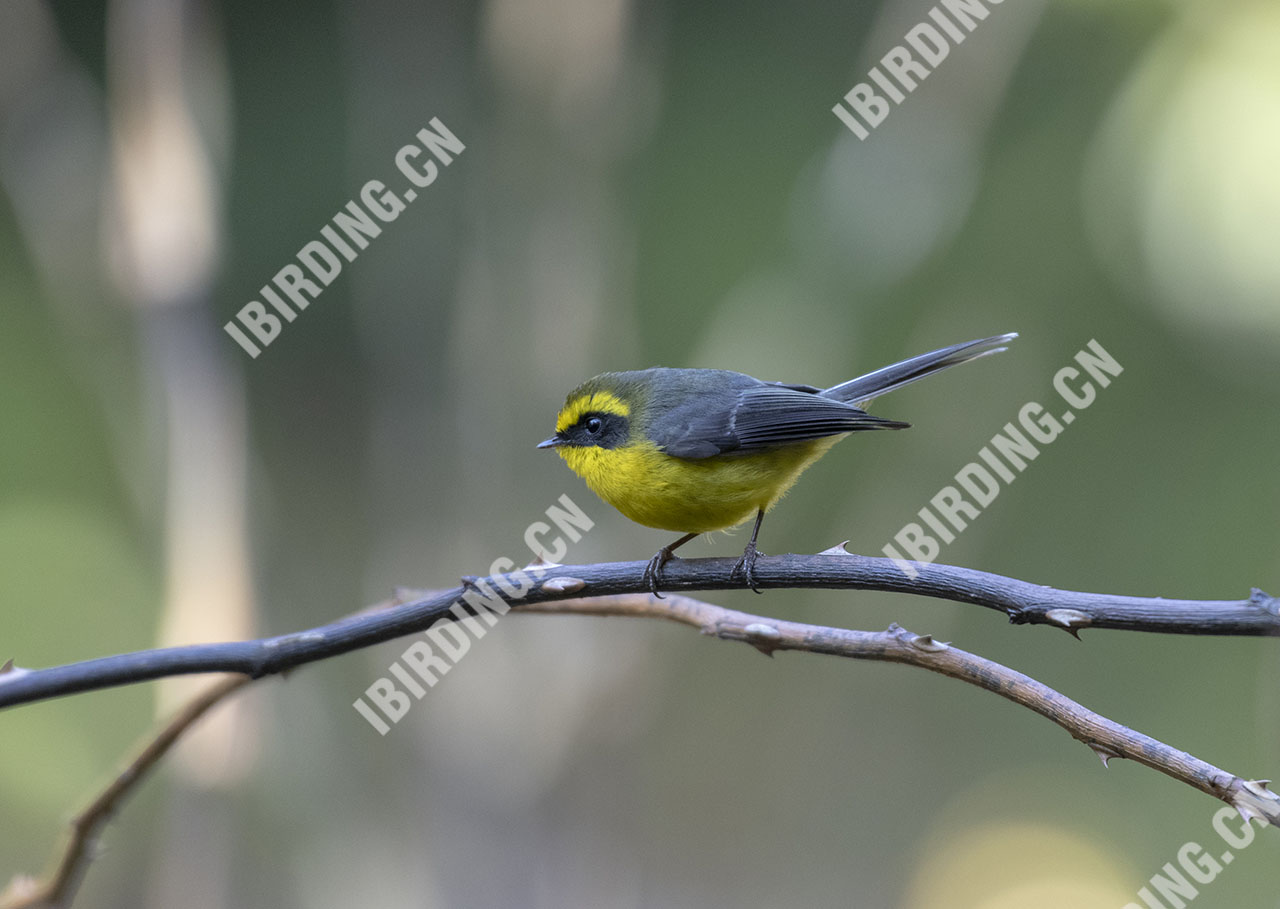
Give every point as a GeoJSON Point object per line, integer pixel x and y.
{"type": "Point", "coordinates": [643, 184]}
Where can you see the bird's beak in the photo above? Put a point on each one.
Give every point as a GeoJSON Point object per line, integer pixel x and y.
{"type": "Point", "coordinates": [553, 442]}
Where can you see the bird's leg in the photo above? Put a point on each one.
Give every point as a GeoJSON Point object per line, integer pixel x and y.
{"type": "Point", "coordinates": [747, 564]}
{"type": "Point", "coordinates": [653, 572]}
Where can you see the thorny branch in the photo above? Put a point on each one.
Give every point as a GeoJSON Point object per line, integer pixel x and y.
{"type": "Point", "coordinates": [1106, 738]}
{"type": "Point", "coordinates": [1021, 602]}
{"type": "Point", "coordinates": [618, 589]}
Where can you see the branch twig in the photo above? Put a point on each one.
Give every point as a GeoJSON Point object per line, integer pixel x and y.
{"type": "Point", "coordinates": [58, 889]}
{"type": "Point", "coordinates": [1022, 602]}
{"type": "Point", "coordinates": [1107, 738]}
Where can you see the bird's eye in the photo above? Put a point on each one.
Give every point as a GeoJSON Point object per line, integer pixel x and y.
{"type": "Point", "coordinates": [594, 425]}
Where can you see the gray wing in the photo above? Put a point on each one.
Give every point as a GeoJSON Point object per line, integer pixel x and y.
{"type": "Point", "coordinates": [758, 418]}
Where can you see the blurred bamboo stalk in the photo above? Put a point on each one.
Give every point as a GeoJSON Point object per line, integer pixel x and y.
{"type": "Point", "coordinates": [163, 239]}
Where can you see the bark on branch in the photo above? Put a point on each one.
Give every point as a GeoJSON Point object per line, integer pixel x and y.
{"type": "Point", "coordinates": [1022, 602]}
{"type": "Point", "coordinates": [554, 593]}
{"type": "Point", "coordinates": [1107, 739]}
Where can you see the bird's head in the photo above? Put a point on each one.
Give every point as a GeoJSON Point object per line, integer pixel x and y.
{"type": "Point", "coordinates": [599, 413]}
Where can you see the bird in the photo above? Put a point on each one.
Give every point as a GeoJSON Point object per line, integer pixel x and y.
{"type": "Point", "coordinates": [694, 451]}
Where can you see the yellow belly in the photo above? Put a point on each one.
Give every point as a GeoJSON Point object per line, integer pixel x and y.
{"type": "Point", "coordinates": [700, 496]}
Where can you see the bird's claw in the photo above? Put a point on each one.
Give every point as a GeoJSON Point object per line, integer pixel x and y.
{"type": "Point", "coordinates": [653, 571]}
{"type": "Point", "coordinates": [470, 582]}
{"type": "Point", "coordinates": [747, 566]}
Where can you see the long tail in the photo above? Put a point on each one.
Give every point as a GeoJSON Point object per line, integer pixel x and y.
{"type": "Point", "coordinates": [864, 388]}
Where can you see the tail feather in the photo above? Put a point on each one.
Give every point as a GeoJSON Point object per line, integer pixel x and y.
{"type": "Point", "coordinates": [863, 389]}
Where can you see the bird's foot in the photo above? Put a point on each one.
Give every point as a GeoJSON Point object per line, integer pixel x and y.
{"type": "Point", "coordinates": [653, 571]}
{"type": "Point", "coordinates": [747, 565]}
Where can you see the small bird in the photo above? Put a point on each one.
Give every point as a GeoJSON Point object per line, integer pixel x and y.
{"type": "Point", "coordinates": [699, 450]}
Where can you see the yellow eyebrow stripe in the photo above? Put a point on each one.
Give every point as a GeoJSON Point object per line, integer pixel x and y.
{"type": "Point", "coordinates": [596, 402]}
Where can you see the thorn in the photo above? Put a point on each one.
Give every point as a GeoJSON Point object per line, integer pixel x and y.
{"type": "Point", "coordinates": [10, 671]}
{"type": "Point", "coordinates": [838, 549]}
{"type": "Point", "coordinates": [564, 585]}
{"type": "Point", "coordinates": [1104, 753]}
{"type": "Point", "coordinates": [540, 564]}
{"type": "Point", "coordinates": [762, 637]}
{"type": "Point", "coordinates": [1070, 620]}
{"type": "Point", "coordinates": [1259, 789]}
{"type": "Point", "coordinates": [1247, 811]}
{"type": "Point", "coordinates": [927, 643]}
{"type": "Point", "coordinates": [1255, 800]}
